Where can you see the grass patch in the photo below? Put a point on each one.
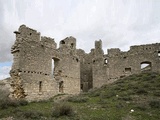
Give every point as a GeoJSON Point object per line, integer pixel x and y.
{"type": "Point", "coordinates": [110, 102]}
{"type": "Point", "coordinates": [78, 99]}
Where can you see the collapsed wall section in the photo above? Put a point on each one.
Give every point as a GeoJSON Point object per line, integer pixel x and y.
{"type": "Point", "coordinates": [85, 70]}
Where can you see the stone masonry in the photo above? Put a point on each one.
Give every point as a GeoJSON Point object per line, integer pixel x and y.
{"type": "Point", "coordinates": [40, 70]}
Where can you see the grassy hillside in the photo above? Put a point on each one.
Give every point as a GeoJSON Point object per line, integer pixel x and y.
{"type": "Point", "coordinates": [136, 97]}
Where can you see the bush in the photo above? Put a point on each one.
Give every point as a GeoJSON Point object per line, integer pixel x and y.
{"type": "Point", "coordinates": [125, 98]}
{"type": "Point", "coordinates": [6, 103]}
{"type": "Point", "coordinates": [107, 94]}
{"type": "Point", "coordinates": [62, 110]}
{"type": "Point", "coordinates": [21, 114]}
{"type": "Point", "coordinates": [141, 91]}
{"type": "Point", "coordinates": [94, 94]}
{"type": "Point", "coordinates": [142, 108]}
{"type": "Point", "coordinates": [154, 104]}
{"type": "Point", "coordinates": [4, 94]}
{"type": "Point", "coordinates": [156, 93]}
{"type": "Point", "coordinates": [78, 99]}
{"type": "Point", "coordinates": [23, 102]}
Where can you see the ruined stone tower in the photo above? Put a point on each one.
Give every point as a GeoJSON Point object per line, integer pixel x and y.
{"type": "Point", "coordinates": [40, 70]}
{"type": "Point", "coordinates": [32, 72]}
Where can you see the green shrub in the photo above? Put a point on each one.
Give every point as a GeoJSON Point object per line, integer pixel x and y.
{"type": "Point", "coordinates": [154, 104]}
{"type": "Point", "coordinates": [142, 91]}
{"type": "Point", "coordinates": [13, 103]}
{"type": "Point", "coordinates": [23, 102]}
{"type": "Point", "coordinates": [6, 103]}
{"type": "Point", "coordinates": [4, 94]}
{"type": "Point", "coordinates": [107, 94]}
{"type": "Point", "coordinates": [146, 85]}
{"type": "Point", "coordinates": [117, 88]}
{"type": "Point", "coordinates": [156, 93]}
{"type": "Point", "coordinates": [125, 98]}
{"type": "Point", "coordinates": [62, 109]}
{"type": "Point", "coordinates": [78, 99]}
{"type": "Point", "coordinates": [31, 114]}
{"type": "Point", "coordinates": [94, 94]}
{"type": "Point", "coordinates": [142, 106]}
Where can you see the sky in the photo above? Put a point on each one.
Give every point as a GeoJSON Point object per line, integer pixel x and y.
{"type": "Point", "coordinates": [118, 23]}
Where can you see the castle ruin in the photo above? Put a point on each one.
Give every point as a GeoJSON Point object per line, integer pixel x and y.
{"type": "Point", "coordinates": [40, 70]}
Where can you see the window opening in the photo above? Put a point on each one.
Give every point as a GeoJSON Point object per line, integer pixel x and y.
{"type": "Point", "coordinates": [145, 66]}
{"type": "Point", "coordinates": [62, 42]}
{"type": "Point", "coordinates": [61, 86]}
{"type": "Point", "coordinates": [52, 71]}
{"type": "Point", "coordinates": [159, 54]}
{"type": "Point", "coordinates": [127, 70]}
{"type": "Point", "coordinates": [72, 45]}
{"type": "Point", "coordinates": [55, 63]}
{"type": "Point", "coordinates": [105, 61]}
{"type": "Point", "coordinates": [40, 86]}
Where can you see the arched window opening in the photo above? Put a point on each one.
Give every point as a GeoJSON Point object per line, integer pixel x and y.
{"type": "Point", "coordinates": [146, 66]}
{"type": "Point", "coordinates": [105, 61]}
{"type": "Point", "coordinates": [159, 54]}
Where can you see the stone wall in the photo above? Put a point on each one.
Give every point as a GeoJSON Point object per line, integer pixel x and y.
{"type": "Point", "coordinates": [40, 70]}
{"type": "Point", "coordinates": [32, 66]}
{"type": "Point", "coordinates": [117, 64]}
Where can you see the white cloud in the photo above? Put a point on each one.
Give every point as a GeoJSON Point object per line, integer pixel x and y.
{"type": "Point", "coordinates": [119, 23]}
{"type": "Point", "coordinates": [4, 72]}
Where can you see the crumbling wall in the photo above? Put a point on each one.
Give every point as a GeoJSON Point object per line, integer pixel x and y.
{"type": "Point", "coordinates": [38, 76]}
{"type": "Point", "coordinates": [126, 63]}
{"type": "Point", "coordinates": [99, 68]}
{"type": "Point", "coordinates": [32, 60]}
{"type": "Point", "coordinates": [69, 66]}
{"type": "Point", "coordinates": [40, 70]}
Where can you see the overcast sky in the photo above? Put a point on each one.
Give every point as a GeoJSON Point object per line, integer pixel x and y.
{"type": "Point", "coordinates": [118, 23]}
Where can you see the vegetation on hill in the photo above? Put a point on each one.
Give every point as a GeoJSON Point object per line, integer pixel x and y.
{"type": "Point", "coordinates": [136, 97]}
